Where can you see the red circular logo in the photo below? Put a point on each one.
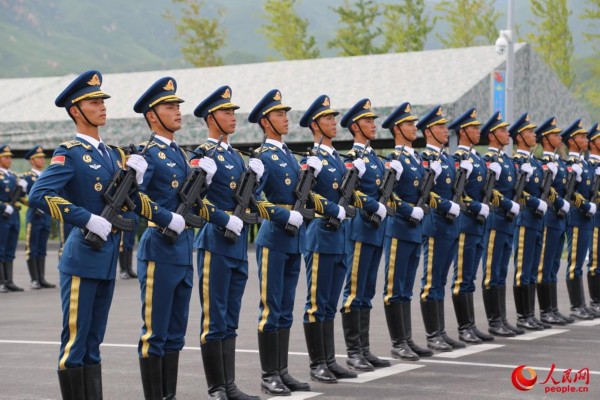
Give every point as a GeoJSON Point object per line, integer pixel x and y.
{"type": "Point", "coordinates": [520, 381]}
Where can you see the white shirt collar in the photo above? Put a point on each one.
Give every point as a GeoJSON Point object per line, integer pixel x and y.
{"type": "Point", "coordinates": [163, 139]}
{"type": "Point", "coordinates": [494, 149]}
{"type": "Point", "coordinates": [574, 153]}
{"type": "Point", "coordinates": [36, 171]}
{"type": "Point", "coordinates": [215, 141]}
{"type": "Point", "coordinates": [4, 170]}
{"type": "Point", "coordinates": [523, 152]}
{"type": "Point", "coordinates": [434, 148]}
{"type": "Point", "coordinates": [595, 156]}
{"type": "Point", "coordinates": [409, 149]}
{"type": "Point", "coordinates": [460, 146]}
{"type": "Point", "coordinates": [275, 143]}
{"type": "Point", "coordinates": [326, 148]}
{"type": "Point", "coordinates": [91, 140]}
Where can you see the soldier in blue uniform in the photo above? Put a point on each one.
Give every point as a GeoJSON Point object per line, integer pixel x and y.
{"type": "Point", "coordinates": [498, 237]}
{"type": "Point", "coordinates": [580, 220]}
{"type": "Point", "coordinates": [548, 135]}
{"type": "Point", "coordinates": [165, 270]}
{"type": "Point", "coordinates": [10, 222]}
{"type": "Point", "coordinates": [594, 255]}
{"type": "Point", "coordinates": [126, 249]}
{"type": "Point", "coordinates": [366, 242]}
{"type": "Point", "coordinates": [440, 233]}
{"type": "Point", "coordinates": [402, 242]}
{"type": "Point", "coordinates": [527, 240]}
{"type": "Point", "coordinates": [326, 249]}
{"type": "Point", "coordinates": [472, 227]}
{"type": "Point", "coordinates": [278, 254]}
{"type": "Point", "coordinates": [38, 225]}
{"type": "Point", "coordinates": [223, 265]}
{"type": "Point", "coordinates": [82, 168]}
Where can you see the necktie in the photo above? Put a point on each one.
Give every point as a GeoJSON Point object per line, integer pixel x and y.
{"type": "Point", "coordinates": [175, 148]}
{"type": "Point", "coordinates": [104, 151]}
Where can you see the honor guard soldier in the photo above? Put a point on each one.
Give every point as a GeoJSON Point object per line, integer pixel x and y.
{"type": "Point", "coordinates": [472, 227]}
{"type": "Point", "coordinates": [37, 223]}
{"type": "Point", "coordinates": [81, 169]}
{"type": "Point", "coordinates": [165, 269]}
{"type": "Point", "coordinates": [527, 241]}
{"type": "Point", "coordinates": [594, 255]}
{"type": "Point", "coordinates": [498, 238]}
{"type": "Point", "coordinates": [326, 248]}
{"type": "Point", "coordinates": [278, 254]}
{"type": "Point", "coordinates": [402, 241]}
{"type": "Point", "coordinates": [10, 221]}
{"type": "Point", "coordinates": [222, 264]}
{"type": "Point", "coordinates": [366, 242]}
{"type": "Point", "coordinates": [548, 135]}
{"type": "Point", "coordinates": [580, 219]}
{"type": "Point", "coordinates": [440, 230]}
{"type": "Point", "coordinates": [126, 249]}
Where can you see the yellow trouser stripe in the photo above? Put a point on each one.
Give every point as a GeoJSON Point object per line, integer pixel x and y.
{"type": "Point", "coordinates": [28, 241]}
{"type": "Point", "coordinates": [541, 265]}
{"type": "Point", "coordinates": [461, 262]}
{"type": "Point", "coordinates": [121, 242]}
{"type": "Point", "coordinates": [594, 256]}
{"type": "Point", "coordinates": [353, 276]}
{"type": "Point", "coordinates": [428, 283]}
{"type": "Point", "coordinates": [313, 288]}
{"type": "Point", "coordinates": [263, 288]}
{"type": "Point", "coordinates": [573, 262]}
{"type": "Point", "coordinates": [490, 257]}
{"type": "Point", "coordinates": [391, 271]}
{"type": "Point", "coordinates": [520, 246]}
{"type": "Point", "coordinates": [148, 308]}
{"type": "Point", "coordinates": [73, 308]}
{"type": "Point", "coordinates": [205, 296]}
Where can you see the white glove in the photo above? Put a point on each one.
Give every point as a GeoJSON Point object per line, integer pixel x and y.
{"type": "Point", "coordinates": [436, 167]}
{"type": "Point", "coordinates": [295, 219]}
{"type": "Point", "coordinates": [359, 164]}
{"type": "Point", "coordinates": [553, 167]}
{"type": "Point", "coordinates": [209, 166]}
{"type": "Point", "coordinates": [397, 166]}
{"type": "Point", "coordinates": [417, 213]}
{"type": "Point", "coordinates": [515, 208]}
{"type": "Point", "coordinates": [566, 207]}
{"type": "Point", "coordinates": [454, 209]}
{"type": "Point", "coordinates": [23, 183]}
{"type": "Point", "coordinates": [99, 225]}
{"type": "Point", "coordinates": [139, 164]}
{"type": "Point", "coordinates": [467, 166]}
{"type": "Point", "coordinates": [381, 211]}
{"type": "Point", "coordinates": [9, 209]}
{"type": "Point", "coordinates": [578, 171]}
{"type": "Point", "coordinates": [256, 165]}
{"type": "Point", "coordinates": [485, 210]}
{"type": "Point", "coordinates": [177, 223]}
{"type": "Point", "coordinates": [597, 171]}
{"type": "Point", "coordinates": [592, 208]}
{"type": "Point", "coordinates": [496, 169]}
{"type": "Point", "coordinates": [235, 225]}
{"type": "Point", "coordinates": [341, 213]}
{"type": "Point", "coordinates": [528, 169]}
{"type": "Point", "coordinates": [315, 163]}
{"type": "Point", "coordinates": [543, 206]}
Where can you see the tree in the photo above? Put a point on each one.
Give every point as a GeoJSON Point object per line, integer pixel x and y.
{"type": "Point", "coordinates": [405, 27]}
{"type": "Point", "coordinates": [287, 32]}
{"type": "Point", "coordinates": [202, 37]}
{"type": "Point", "coordinates": [472, 22]}
{"type": "Point", "coordinates": [357, 34]}
{"type": "Point", "coordinates": [589, 89]}
{"type": "Point", "coordinates": [551, 36]}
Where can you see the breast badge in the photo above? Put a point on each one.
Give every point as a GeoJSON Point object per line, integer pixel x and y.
{"type": "Point", "coordinates": [232, 185]}
{"type": "Point", "coordinates": [87, 158]}
{"type": "Point", "coordinates": [98, 187]}
{"type": "Point", "coordinates": [161, 155]}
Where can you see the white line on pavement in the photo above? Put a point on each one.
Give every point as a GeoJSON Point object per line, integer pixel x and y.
{"type": "Point", "coordinates": [475, 364]}
{"type": "Point", "coordinates": [298, 396]}
{"type": "Point", "coordinates": [593, 322]}
{"type": "Point", "coordinates": [381, 373]}
{"type": "Point", "coordinates": [468, 351]}
{"type": "Point", "coordinates": [538, 334]}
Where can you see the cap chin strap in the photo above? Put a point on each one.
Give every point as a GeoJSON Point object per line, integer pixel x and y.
{"type": "Point", "coordinates": [525, 141]}
{"type": "Point", "coordinates": [402, 133]}
{"type": "Point", "coordinates": [578, 147]}
{"type": "Point", "coordinates": [468, 137]}
{"type": "Point", "coordinates": [272, 126]}
{"type": "Point", "coordinates": [321, 130]}
{"type": "Point", "coordinates": [153, 109]}
{"type": "Point", "coordinates": [435, 137]}
{"type": "Point", "coordinates": [218, 125]}
{"type": "Point", "coordinates": [84, 116]}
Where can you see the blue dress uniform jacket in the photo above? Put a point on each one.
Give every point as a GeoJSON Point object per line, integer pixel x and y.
{"type": "Point", "coordinates": [37, 223]}
{"type": "Point", "coordinates": [533, 190]}
{"type": "Point", "coordinates": [593, 263]}
{"type": "Point", "coordinates": [9, 227]}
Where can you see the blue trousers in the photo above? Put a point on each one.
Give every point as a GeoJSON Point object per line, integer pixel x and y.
{"type": "Point", "coordinates": [498, 247]}
{"type": "Point", "coordinates": [438, 255]}
{"type": "Point", "coordinates": [325, 275]}
{"type": "Point", "coordinates": [9, 235]}
{"type": "Point", "coordinates": [578, 244]}
{"type": "Point", "coordinates": [470, 249]}
{"type": "Point", "coordinates": [528, 250]}
{"type": "Point", "coordinates": [36, 235]}
{"type": "Point", "coordinates": [361, 277]}
{"type": "Point", "coordinates": [64, 229]}
{"type": "Point", "coordinates": [552, 247]}
{"type": "Point", "coordinates": [401, 264]}
{"type": "Point", "coordinates": [594, 252]}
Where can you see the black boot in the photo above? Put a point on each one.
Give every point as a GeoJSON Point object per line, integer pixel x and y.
{"type": "Point", "coordinates": [352, 329]}
{"type": "Point", "coordinates": [522, 305]}
{"type": "Point", "coordinates": [72, 383]}
{"type": "Point", "coordinates": [41, 267]}
{"type": "Point", "coordinates": [461, 309]}
{"type": "Point", "coordinates": [123, 266]}
{"type": "Point", "coordinates": [577, 310]}
{"type": "Point", "coordinates": [442, 326]}
{"type": "Point", "coordinates": [407, 319]}
{"type": "Point", "coordinates": [151, 370]}
{"type": "Point", "coordinates": [554, 302]}
{"type": "Point", "coordinates": [268, 347]}
{"type": "Point", "coordinates": [365, 327]}
{"type": "Point", "coordinates": [233, 393]}
{"type": "Point", "coordinates": [502, 304]}
{"type": "Point", "coordinates": [129, 264]}
{"type": "Point", "coordinates": [170, 369]}
{"type": "Point", "coordinates": [532, 290]}
{"type": "Point", "coordinates": [491, 301]}
{"type": "Point", "coordinates": [3, 288]}
{"type": "Point", "coordinates": [329, 347]}
{"type": "Point", "coordinates": [8, 275]}
{"type": "Point", "coordinates": [293, 384]}
{"type": "Point", "coordinates": [544, 292]}
{"type": "Point", "coordinates": [481, 335]}
{"type": "Point", "coordinates": [582, 301]}
{"type": "Point", "coordinates": [33, 273]}
{"type": "Point", "coordinates": [212, 359]}
{"type": "Point", "coordinates": [92, 375]}
{"type": "Point", "coordinates": [432, 328]}
{"type": "Point", "coordinates": [319, 372]}
{"type": "Point", "coordinates": [594, 288]}
{"type": "Point", "coordinates": [395, 322]}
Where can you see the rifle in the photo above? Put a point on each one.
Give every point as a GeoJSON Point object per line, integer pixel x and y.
{"type": "Point", "coordinates": [116, 196]}
{"type": "Point", "coordinates": [244, 195]}
{"type": "Point", "coordinates": [388, 184]}
{"type": "Point", "coordinates": [594, 196]}
{"type": "Point", "coordinates": [569, 190]}
{"type": "Point", "coordinates": [547, 180]}
{"type": "Point", "coordinates": [425, 189]}
{"type": "Point", "coordinates": [349, 185]}
{"type": "Point", "coordinates": [488, 189]}
{"type": "Point", "coordinates": [302, 191]}
{"type": "Point", "coordinates": [15, 196]}
{"type": "Point", "coordinates": [519, 189]}
{"type": "Point", "coordinates": [190, 193]}
{"type": "Point", "coordinates": [460, 182]}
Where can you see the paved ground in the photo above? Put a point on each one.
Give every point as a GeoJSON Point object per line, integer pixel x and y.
{"type": "Point", "coordinates": [30, 330]}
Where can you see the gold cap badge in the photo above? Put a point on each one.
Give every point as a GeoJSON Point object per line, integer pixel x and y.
{"type": "Point", "coordinates": [169, 85]}
{"type": "Point", "coordinates": [226, 94]}
{"type": "Point", "coordinates": [95, 81]}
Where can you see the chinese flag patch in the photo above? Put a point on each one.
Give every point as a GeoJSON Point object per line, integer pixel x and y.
{"type": "Point", "coordinates": [59, 160]}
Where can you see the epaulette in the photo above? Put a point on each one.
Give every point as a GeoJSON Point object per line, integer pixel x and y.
{"type": "Point", "coordinates": [154, 143]}
{"type": "Point", "coordinates": [272, 148]}
{"type": "Point", "coordinates": [460, 151]}
{"type": "Point", "coordinates": [491, 154]}
{"type": "Point", "coordinates": [546, 157]}
{"type": "Point", "coordinates": [74, 143]}
{"type": "Point", "coordinates": [324, 153]}
{"type": "Point", "coordinates": [519, 155]}
{"type": "Point", "coordinates": [428, 152]}
{"type": "Point", "coordinates": [207, 146]}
